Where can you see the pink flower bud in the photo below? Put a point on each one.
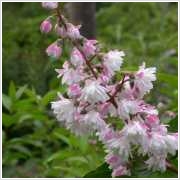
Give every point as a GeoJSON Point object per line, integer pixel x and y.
{"type": "Point", "coordinates": [50, 5]}
{"type": "Point", "coordinates": [54, 50]}
{"type": "Point", "coordinates": [46, 26]}
{"type": "Point", "coordinates": [60, 31]}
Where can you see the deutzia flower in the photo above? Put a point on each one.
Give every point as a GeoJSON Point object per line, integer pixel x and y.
{"type": "Point", "coordinates": [50, 5]}
{"type": "Point", "coordinates": [54, 50]}
{"type": "Point", "coordinates": [143, 79]}
{"type": "Point", "coordinates": [127, 108]}
{"type": "Point", "coordinates": [69, 75]}
{"type": "Point", "coordinates": [73, 31]}
{"type": "Point", "coordinates": [93, 120]}
{"type": "Point", "coordinates": [63, 109]}
{"type": "Point", "coordinates": [135, 132]}
{"type": "Point", "coordinates": [113, 61]}
{"type": "Point", "coordinates": [93, 92]}
{"type": "Point", "coordinates": [157, 163]}
{"type": "Point", "coordinates": [76, 57]}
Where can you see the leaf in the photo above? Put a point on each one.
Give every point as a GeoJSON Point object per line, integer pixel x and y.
{"type": "Point", "coordinates": [63, 138]}
{"type": "Point", "coordinates": [101, 172]}
{"type": "Point", "coordinates": [48, 97]}
{"type": "Point", "coordinates": [7, 120]}
{"type": "Point", "coordinates": [78, 159]}
{"type": "Point", "coordinates": [12, 90]}
{"type": "Point", "coordinates": [6, 102]}
{"type": "Point", "coordinates": [20, 91]}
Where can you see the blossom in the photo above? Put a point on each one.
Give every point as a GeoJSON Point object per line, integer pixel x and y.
{"type": "Point", "coordinates": [144, 78]}
{"type": "Point", "coordinates": [76, 57]}
{"type": "Point", "coordinates": [69, 75]}
{"type": "Point", "coordinates": [119, 171]}
{"type": "Point", "coordinates": [152, 120]}
{"type": "Point", "coordinates": [54, 50]}
{"type": "Point", "coordinates": [135, 132]}
{"type": "Point", "coordinates": [50, 5]}
{"type": "Point", "coordinates": [93, 120]}
{"type": "Point", "coordinates": [157, 163]}
{"type": "Point", "coordinates": [74, 90]}
{"type": "Point", "coordinates": [93, 92]}
{"type": "Point", "coordinates": [73, 31]}
{"type": "Point", "coordinates": [113, 60]}
{"type": "Point", "coordinates": [89, 47]}
{"type": "Point", "coordinates": [127, 108]}
{"type": "Point", "coordinates": [63, 109]}
{"type": "Point", "coordinates": [157, 144]}
{"type": "Point", "coordinates": [117, 165]}
{"type": "Point", "coordinates": [172, 143]}
{"type": "Point", "coordinates": [46, 26]}
{"type": "Point", "coordinates": [60, 31]}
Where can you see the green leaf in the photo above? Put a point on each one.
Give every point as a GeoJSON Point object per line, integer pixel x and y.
{"type": "Point", "coordinates": [101, 172]}
{"type": "Point", "coordinates": [7, 120]}
{"type": "Point", "coordinates": [48, 97]}
{"type": "Point", "coordinates": [12, 90]}
{"type": "Point", "coordinates": [20, 91]}
{"type": "Point", "coordinates": [6, 102]}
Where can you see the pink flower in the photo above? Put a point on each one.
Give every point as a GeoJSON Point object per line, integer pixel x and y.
{"type": "Point", "coordinates": [76, 57]}
{"type": "Point", "coordinates": [73, 31]}
{"type": "Point", "coordinates": [54, 50]}
{"type": "Point", "coordinates": [50, 5]}
{"type": "Point", "coordinates": [46, 26]}
{"type": "Point", "coordinates": [120, 171]}
{"type": "Point", "coordinates": [61, 31]}
{"type": "Point", "coordinates": [152, 119]}
{"type": "Point", "coordinates": [74, 90]}
{"type": "Point", "coordinates": [89, 47]}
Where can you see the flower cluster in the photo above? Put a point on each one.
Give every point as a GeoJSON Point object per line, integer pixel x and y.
{"type": "Point", "coordinates": [93, 96]}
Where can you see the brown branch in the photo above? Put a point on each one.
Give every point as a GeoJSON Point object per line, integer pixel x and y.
{"type": "Point", "coordinates": [118, 89]}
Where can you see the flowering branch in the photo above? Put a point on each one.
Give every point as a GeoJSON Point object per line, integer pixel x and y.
{"type": "Point", "coordinates": [93, 97]}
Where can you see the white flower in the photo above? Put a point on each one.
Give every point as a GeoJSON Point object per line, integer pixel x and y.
{"type": "Point", "coordinates": [143, 79]}
{"type": "Point", "coordinates": [69, 75]}
{"type": "Point", "coordinates": [93, 92]}
{"type": "Point", "coordinates": [127, 108]}
{"type": "Point", "coordinates": [93, 120]}
{"type": "Point", "coordinates": [157, 163]}
{"type": "Point", "coordinates": [120, 145]}
{"type": "Point", "coordinates": [157, 144]}
{"type": "Point", "coordinates": [135, 132]}
{"type": "Point", "coordinates": [63, 109]}
{"type": "Point", "coordinates": [113, 60]}
{"type": "Point", "coordinates": [172, 144]}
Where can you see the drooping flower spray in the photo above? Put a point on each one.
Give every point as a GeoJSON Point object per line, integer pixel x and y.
{"type": "Point", "coordinates": [93, 96]}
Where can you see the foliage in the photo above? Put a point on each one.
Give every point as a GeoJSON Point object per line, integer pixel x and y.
{"type": "Point", "coordinates": [33, 143]}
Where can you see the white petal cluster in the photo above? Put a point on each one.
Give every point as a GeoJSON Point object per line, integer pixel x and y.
{"type": "Point", "coordinates": [93, 92]}
{"type": "Point", "coordinates": [113, 60]}
{"type": "Point", "coordinates": [144, 78]}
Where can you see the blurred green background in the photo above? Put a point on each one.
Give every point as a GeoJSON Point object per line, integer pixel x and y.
{"type": "Point", "coordinates": [34, 144]}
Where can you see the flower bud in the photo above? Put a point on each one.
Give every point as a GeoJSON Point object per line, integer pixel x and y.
{"type": "Point", "coordinates": [54, 50]}
{"type": "Point", "coordinates": [73, 31]}
{"type": "Point", "coordinates": [50, 5]}
{"type": "Point", "coordinates": [60, 31]}
{"type": "Point", "coordinates": [46, 26]}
